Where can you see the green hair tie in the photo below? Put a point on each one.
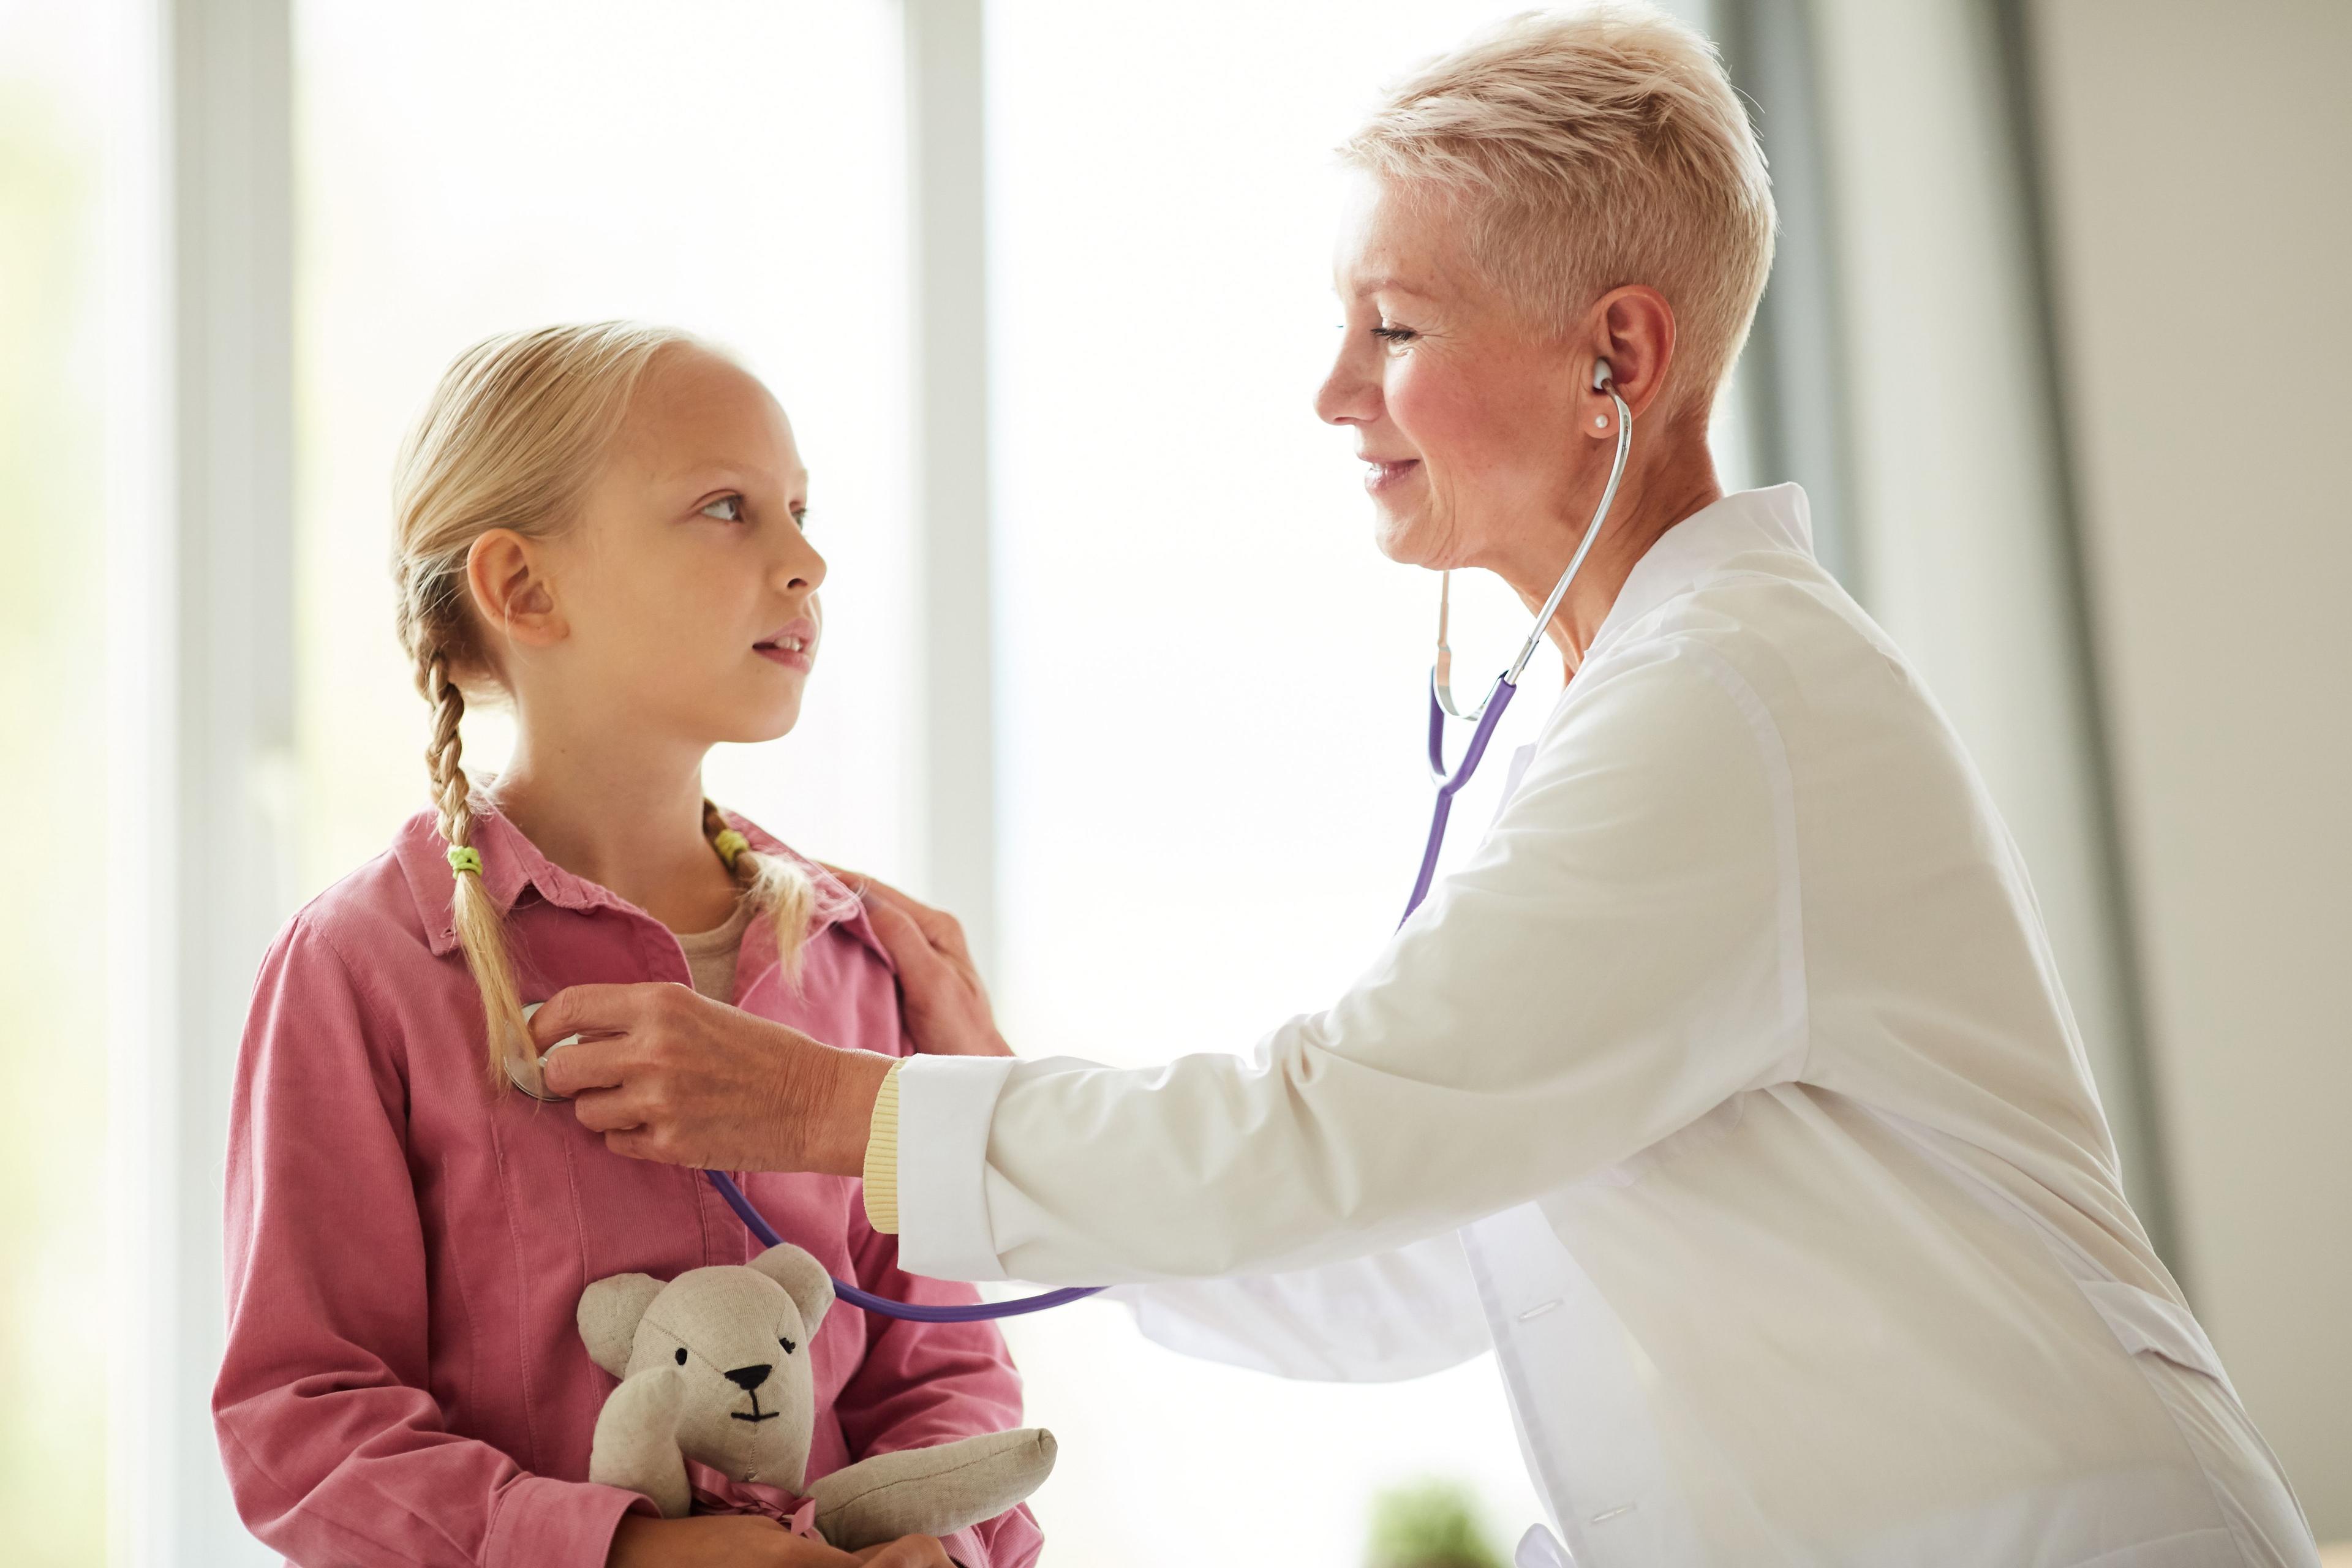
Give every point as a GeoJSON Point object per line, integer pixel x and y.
{"type": "Point", "coordinates": [465, 858]}
{"type": "Point", "coordinates": [729, 844]}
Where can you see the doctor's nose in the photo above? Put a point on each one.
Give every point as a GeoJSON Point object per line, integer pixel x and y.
{"type": "Point", "coordinates": [1346, 396]}
{"type": "Point", "coordinates": [748, 1378]}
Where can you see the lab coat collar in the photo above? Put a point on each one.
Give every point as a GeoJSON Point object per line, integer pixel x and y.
{"type": "Point", "coordinates": [512, 866]}
{"type": "Point", "coordinates": [1775, 521]}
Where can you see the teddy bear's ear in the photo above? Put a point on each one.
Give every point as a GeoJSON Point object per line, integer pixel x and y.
{"type": "Point", "coordinates": [803, 1279]}
{"type": "Point", "coordinates": [609, 1312]}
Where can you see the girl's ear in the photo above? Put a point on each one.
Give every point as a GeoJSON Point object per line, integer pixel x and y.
{"type": "Point", "coordinates": [609, 1312]}
{"type": "Point", "coordinates": [803, 1279]}
{"type": "Point", "coordinates": [508, 576]}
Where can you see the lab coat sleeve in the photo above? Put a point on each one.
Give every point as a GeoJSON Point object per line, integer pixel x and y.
{"type": "Point", "coordinates": [1622, 953]}
{"type": "Point", "coordinates": [332, 1442]}
{"type": "Point", "coordinates": [1395, 1315]}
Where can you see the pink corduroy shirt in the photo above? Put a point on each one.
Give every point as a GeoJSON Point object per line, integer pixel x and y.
{"type": "Point", "coordinates": [404, 1381]}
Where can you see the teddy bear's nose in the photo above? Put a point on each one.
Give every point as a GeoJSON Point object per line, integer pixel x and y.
{"type": "Point", "coordinates": [748, 1378]}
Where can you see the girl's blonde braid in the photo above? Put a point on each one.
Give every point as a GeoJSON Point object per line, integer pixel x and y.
{"type": "Point", "coordinates": [480, 929]}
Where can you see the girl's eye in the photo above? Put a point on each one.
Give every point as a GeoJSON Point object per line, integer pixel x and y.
{"type": "Point", "coordinates": [726, 509]}
{"type": "Point", "coordinates": [789, 1346]}
{"type": "Point", "coordinates": [799, 518]}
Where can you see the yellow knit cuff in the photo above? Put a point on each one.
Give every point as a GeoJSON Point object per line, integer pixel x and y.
{"type": "Point", "coordinates": [882, 1156]}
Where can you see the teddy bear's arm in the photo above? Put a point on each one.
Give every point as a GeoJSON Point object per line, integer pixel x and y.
{"type": "Point", "coordinates": [930, 1492]}
{"type": "Point", "coordinates": [635, 1446]}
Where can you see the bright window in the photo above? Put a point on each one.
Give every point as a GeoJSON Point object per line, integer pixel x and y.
{"type": "Point", "coordinates": [1212, 688]}
{"type": "Point", "coordinates": [54, 977]}
{"type": "Point", "coordinates": [734, 169]}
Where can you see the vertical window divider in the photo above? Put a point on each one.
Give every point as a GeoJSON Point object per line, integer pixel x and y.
{"type": "Point", "coordinates": [200, 846]}
{"type": "Point", "coordinates": [946, 157]}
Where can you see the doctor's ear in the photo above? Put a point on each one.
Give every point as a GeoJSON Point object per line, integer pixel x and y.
{"type": "Point", "coordinates": [1631, 342]}
{"type": "Point", "coordinates": [512, 590]}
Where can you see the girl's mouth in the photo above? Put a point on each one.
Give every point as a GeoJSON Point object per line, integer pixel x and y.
{"type": "Point", "coordinates": [792, 650]}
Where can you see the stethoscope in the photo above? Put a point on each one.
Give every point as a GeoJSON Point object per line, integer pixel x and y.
{"type": "Point", "coordinates": [1489, 713]}
{"type": "Point", "coordinates": [525, 1075]}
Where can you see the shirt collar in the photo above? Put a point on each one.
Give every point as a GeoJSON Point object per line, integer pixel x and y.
{"type": "Point", "coordinates": [512, 864]}
{"type": "Point", "coordinates": [1776, 521]}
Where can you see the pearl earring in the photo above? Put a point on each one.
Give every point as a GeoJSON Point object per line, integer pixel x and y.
{"type": "Point", "coordinates": [1601, 422]}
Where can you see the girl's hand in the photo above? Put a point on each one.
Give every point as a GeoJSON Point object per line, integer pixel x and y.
{"type": "Point", "coordinates": [730, 1541]}
{"type": "Point", "coordinates": [946, 1005]}
{"type": "Point", "coordinates": [908, 1551]}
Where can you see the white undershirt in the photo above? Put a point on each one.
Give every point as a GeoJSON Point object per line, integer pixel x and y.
{"type": "Point", "coordinates": [710, 954]}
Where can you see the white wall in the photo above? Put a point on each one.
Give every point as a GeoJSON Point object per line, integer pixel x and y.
{"type": "Point", "coordinates": [2202, 222]}
{"type": "Point", "coordinates": [1956, 509]}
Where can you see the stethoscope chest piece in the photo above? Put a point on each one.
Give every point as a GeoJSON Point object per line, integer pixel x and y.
{"type": "Point", "coordinates": [527, 1074]}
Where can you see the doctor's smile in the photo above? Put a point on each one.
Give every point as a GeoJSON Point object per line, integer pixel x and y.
{"type": "Point", "coordinates": [1718, 1091]}
{"type": "Point", "coordinates": [1387, 473]}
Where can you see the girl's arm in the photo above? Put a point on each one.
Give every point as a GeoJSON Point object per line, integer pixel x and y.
{"type": "Point", "coordinates": [334, 1448]}
{"type": "Point", "coordinates": [926, 1383]}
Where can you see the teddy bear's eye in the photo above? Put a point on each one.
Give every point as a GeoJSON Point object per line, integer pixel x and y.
{"type": "Point", "coordinates": [789, 1346]}
{"type": "Point", "coordinates": [681, 1355]}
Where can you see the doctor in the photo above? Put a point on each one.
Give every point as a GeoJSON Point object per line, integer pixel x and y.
{"type": "Point", "coordinates": [1728, 1094]}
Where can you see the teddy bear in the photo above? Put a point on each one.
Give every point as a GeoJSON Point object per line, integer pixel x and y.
{"type": "Point", "coordinates": [714, 1367]}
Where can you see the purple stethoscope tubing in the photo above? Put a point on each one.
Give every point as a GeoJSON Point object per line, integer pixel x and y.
{"type": "Point", "coordinates": [913, 1312]}
{"type": "Point", "coordinates": [1489, 713]}
{"type": "Point", "coordinates": [1449, 783]}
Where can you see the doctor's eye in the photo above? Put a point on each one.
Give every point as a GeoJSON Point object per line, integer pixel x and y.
{"type": "Point", "coordinates": [789, 1346]}
{"type": "Point", "coordinates": [726, 509]}
{"type": "Point", "coordinates": [1394, 336]}
{"type": "Point", "coordinates": [681, 1355]}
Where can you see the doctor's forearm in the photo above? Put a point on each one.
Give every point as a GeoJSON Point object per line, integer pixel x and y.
{"type": "Point", "coordinates": [1214, 1166]}
{"type": "Point", "coordinates": [823, 1108]}
{"type": "Point", "coordinates": [1536, 1025]}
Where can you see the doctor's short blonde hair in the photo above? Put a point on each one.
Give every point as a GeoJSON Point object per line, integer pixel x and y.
{"type": "Point", "coordinates": [1588, 150]}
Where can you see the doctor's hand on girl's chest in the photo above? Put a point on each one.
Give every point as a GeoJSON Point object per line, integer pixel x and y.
{"type": "Point", "coordinates": [665, 1074]}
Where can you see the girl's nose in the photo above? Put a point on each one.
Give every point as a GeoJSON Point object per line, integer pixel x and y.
{"type": "Point", "coordinates": [802, 567]}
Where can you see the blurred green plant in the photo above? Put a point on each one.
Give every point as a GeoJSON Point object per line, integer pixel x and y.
{"type": "Point", "coordinates": [1429, 1524]}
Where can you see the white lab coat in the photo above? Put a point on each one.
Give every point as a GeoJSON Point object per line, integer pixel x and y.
{"type": "Point", "coordinates": [1728, 1094]}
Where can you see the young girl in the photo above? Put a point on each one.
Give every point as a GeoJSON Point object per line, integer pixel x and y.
{"type": "Point", "coordinates": [603, 524]}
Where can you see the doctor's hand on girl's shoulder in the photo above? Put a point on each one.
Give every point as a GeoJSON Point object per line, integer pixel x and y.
{"type": "Point", "coordinates": [940, 987]}
{"type": "Point", "coordinates": [747, 1541]}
